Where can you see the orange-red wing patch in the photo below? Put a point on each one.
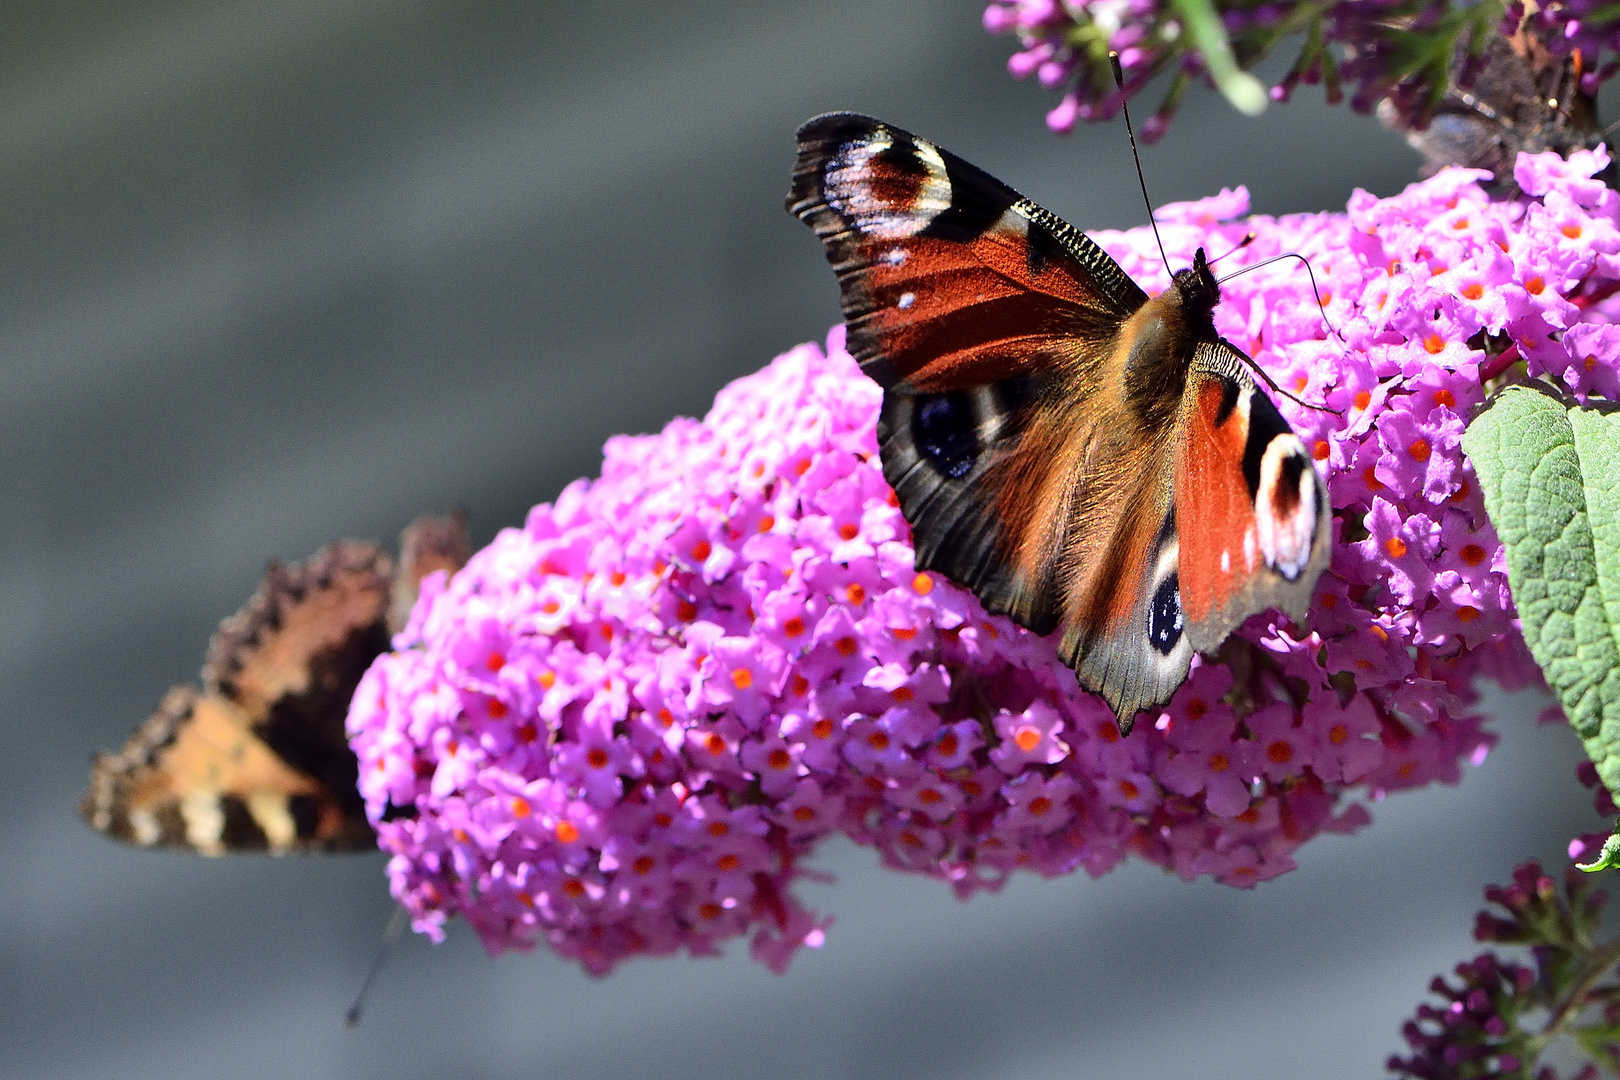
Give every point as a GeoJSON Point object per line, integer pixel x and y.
{"type": "Point", "coordinates": [954, 315]}
{"type": "Point", "coordinates": [1214, 506]}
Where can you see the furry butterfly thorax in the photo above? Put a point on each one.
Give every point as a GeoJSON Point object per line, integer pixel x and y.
{"type": "Point", "coordinates": [1083, 457]}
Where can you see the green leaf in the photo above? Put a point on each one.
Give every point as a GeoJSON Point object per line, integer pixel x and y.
{"type": "Point", "coordinates": [1597, 445]}
{"type": "Point", "coordinates": [1208, 32]}
{"type": "Point", "coordinates": [1550, 473]}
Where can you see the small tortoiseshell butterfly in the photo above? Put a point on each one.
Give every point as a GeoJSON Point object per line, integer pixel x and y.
{"type": "Point", "coordinates": [1080, 455]}
{"type": "Point", "coordinates": [1522, 99]}
{"type": "Point", "coordinates": [258, 760]}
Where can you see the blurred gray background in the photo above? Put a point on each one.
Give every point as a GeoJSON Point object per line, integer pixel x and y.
{"type": "Point", "coordinates": [271, 274]}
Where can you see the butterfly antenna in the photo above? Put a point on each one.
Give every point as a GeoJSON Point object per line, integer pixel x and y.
{"type": "Point", "coordinates": [1319, 307]}
{"type": "Point", "coordinates": [1124, 107]}
{"type": "Point", "coordinates": [1248, 238]}
{"type": "Point", "coordinates": [1314, 290]}
{"type": "Point", "coordinates": [396, 926]}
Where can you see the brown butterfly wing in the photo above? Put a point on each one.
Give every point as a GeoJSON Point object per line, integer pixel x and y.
{"type": "Point", "coordinates": [258, 760]}
{"type": "Point", "coordinates": [985, 318]}
{"type": "Point", "coordinates": [1122, 626]}
{"type": "Point", "coordinates": [1252, 512]}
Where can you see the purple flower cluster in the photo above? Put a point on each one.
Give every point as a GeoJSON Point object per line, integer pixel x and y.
{"type": "Point", "coordinates": [623, 727]}
{"type": "Point", "coordinates": [1499, 1017]}
{"type": "Point", "coordinates": [1066, 47]}
{"type": "Point", "coordinates": [1471, 1032]}
{"type": "Point", "coordinates": [1403, 50]}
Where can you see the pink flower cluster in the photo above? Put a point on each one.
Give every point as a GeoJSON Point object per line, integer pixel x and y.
{"type": "Point", "coordinates": [623, 727]}
{"type": "Point", "coordinates": [1065, 46]}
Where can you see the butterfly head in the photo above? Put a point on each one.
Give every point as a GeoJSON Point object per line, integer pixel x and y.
{"type": "Point", "coordinates": [1197, 287]}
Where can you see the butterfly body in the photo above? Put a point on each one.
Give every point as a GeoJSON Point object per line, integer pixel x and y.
{"type": "Point", "coordinates": [1084, 457]}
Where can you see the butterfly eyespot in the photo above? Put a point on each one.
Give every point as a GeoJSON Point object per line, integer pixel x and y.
{"type": "Point", "coordinates": [1164, 616]}
{"type": "Point", "coordinates": [943, 430]}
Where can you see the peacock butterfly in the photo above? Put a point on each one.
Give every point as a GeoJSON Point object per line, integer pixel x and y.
{"type": "Point", "coordinates": [1084, 457]}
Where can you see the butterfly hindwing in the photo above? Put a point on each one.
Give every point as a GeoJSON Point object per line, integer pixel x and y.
{"type": "Point", "coordinates": [1124, 632]}
{"type": "Point", "coordinates": [258, 759]}
{"type": "Point", "coordinates": [1254, 515]}
{"type": "Point", "coordinates": [946, 455]}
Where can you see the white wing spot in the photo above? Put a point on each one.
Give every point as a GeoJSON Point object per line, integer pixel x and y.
{"type": "Point", "coordinates": [1226, 562]}
{"type": "Point", "coordinates": [270, 813]}
{"type": "Point", "coordinates": [906, 300]}
{"type": "Point", "coordinates": [1286, 542]}
{"type": "Point", "coordinates": [145, 827]}
{"type": "Point", "coordinates": [205, 821]}
{"type": "Point", "coordinates": [847, 183]}
{"type": "Point", "coordinates": [895, 256]}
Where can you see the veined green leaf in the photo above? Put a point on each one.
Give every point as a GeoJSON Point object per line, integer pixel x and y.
{"type": "Point", "coordinates": [1550, 472]}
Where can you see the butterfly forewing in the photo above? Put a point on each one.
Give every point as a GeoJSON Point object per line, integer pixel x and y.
{"type": "Point", "coordinates": [950, 278]}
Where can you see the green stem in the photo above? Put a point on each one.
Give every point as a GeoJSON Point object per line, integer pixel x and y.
{"type": "Point", "coordinates": [1204, 25]}
{"type": "Point", "coordinates": [1597, 965]}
